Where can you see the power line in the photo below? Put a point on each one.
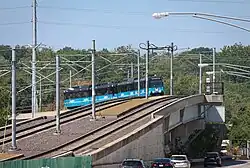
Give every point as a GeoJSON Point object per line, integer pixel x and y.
{"type": "Point", "coordinates": [13, 23]}
{"type": "Point", "coordinates": [94, 10]}
{"type": "Point", "coordinates": [13, 8]}
{"type": "Point", "coordinates": [124, 27]}
{"type": "Point", "coordinates": [213, 1]}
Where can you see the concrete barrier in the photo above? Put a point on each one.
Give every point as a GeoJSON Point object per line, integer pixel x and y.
{"type": "Point", "coordinates": [182, 102]}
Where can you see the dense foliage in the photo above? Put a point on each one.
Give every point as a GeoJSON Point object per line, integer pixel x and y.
{"type": "Point", "coordinates": [117, 65]}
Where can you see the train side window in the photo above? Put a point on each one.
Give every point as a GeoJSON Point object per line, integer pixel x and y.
{"type": "Point", "coordinates": [125, 88]}
{"type": "Point", "coordinates": [85, 93]}
{"type": "Point", "coordinates": [72, 95]}
{"type": "Point", "coordinates": [66, 96]}
{"type": "Point", "coordinates": [135, 85]}
{"type": "Point", "coordinates": [104, 91]}
{"type": "Point", "coordinates": [109, 90]}
{"type": "Point", "coordinates": [130, 87]}
{"type": "Point", "coordinates": [101, 91]}
{"type": "Point", "coordinates": [78, 95]}
{"type": "Point", "coordinates": [114, 89]}
{"type": "Point", "coordinates": [98, 93]}
{"type": "Point", "coordinates": [122, 88]}
{"type": "Point", "coordinates": [142, 84]}
{"type": "Point", "coordinates": [119, 88]}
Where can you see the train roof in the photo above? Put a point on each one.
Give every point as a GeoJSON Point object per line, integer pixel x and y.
{"type": "Point", "coordinates": [76, 89]}
{"type": "Point", "coordinates": [125, 83]}
{"type": "Point", "coordinates": [104, 85]}
{"type": "Point", "coordinates": [108, 85]}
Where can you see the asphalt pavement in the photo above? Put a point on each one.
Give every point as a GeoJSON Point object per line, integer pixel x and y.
{"type": "Point", "coordinates": [231, 164]}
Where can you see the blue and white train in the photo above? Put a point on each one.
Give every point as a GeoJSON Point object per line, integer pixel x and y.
{"type": "Point", "coordinates": [82, 95]}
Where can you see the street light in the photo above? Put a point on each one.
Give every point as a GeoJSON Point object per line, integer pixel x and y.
{"type": "Point", "coordinates": [204, 16]}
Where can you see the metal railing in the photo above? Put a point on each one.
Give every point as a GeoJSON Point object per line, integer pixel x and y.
{"type": "Point", "coordinates": [216, 88]}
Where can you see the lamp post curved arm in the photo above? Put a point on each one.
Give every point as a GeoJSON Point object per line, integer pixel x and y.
{"type": "Point", "coordinates": [222, 22]}
{"type": "Point", "coordinates": [204, 16]}
{"type": "Point", "coordinates": [165, 14]}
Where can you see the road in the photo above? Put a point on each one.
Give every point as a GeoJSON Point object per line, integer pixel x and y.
{"type": "Point", "coordinates": [231, 164]}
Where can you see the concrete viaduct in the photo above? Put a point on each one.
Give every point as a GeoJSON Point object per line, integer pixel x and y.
{"type": "Point", "coordinates": [178, 119]}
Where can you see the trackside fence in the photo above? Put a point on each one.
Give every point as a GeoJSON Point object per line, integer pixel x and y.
{"type": "Point", "coordinates": [63, 162]}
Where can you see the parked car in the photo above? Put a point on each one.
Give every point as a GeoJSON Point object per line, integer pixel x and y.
{"type": "Point", "coordinates": [162, 163]}
{"type": "Point", "coordinates": [180, 161]}
{"type": "Point", "coordinates": [212, 158]}
{"type": "Point", "coordinates": [133, 163]}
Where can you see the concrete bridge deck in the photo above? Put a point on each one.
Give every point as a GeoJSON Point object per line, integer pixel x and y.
{"type": "Point", "coordinates": [146, 141]}
{"type": "Point", "coordinates": [149, 140]}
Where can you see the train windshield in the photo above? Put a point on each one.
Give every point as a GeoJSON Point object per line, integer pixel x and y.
{"type": "Point", "coordinates": [156, 83]}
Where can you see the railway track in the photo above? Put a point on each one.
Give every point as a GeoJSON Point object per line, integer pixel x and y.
{"type": "Point", "coordinates": [89, 138]}
{"type": "Point", "coordinates": [36, 126]}
{"type": "Point", "coordinates": [30, 122]}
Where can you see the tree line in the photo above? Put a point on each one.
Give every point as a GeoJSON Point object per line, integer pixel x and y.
{"type": "Point", "coordinates": [121, 63]}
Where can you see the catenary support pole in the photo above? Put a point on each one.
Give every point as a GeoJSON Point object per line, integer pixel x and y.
{"type": "Point", "coordinates": [213, 70]}
{"type": "Point", "coordinates": [171, 69]}
{"type": "Point", "coordinates": [146, 81]}
{"type": "Point", "coordinates": [132, 70]}
{"type": "Point", "coordinates": [248, 149]}
{"type": "Point", "coordinates": [200, 81]}
{"type": "Point", "coordinates": [138, 71]}
{"type": "Point", "coordinates": [93, 80]}
{"type": "Point", "coordinates": [70, 82]}
{"type": "Point", "coordinates": [40, 94]}
{"type": "Point", "coordinates": [13, 92]}
{"type": "Point", "coordinates": [58, 129]}
{"type": "Point", "coordinates": [34, 45]}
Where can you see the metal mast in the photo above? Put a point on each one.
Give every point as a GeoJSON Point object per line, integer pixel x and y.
{"type": "Point", "coordinates": [34, 44]}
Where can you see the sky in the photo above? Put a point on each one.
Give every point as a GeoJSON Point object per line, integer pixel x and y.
{"type": "Point", "coordinates": [113, 23]}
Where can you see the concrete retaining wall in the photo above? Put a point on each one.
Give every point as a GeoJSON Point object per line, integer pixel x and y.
{"type": "Point", "coordinates": [146, 142]}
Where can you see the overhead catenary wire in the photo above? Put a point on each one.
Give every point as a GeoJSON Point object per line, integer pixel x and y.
{"type": "Point", "coordinates": [13, 23]}
{"type": "Point", "coordinates": [213, 1]}
{"type": "Point", "coordinates": [118, 27]}
{"type": "Point", "coordinates": [14, 8]}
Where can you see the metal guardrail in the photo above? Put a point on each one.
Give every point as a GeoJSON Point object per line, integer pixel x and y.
{"type": "Point", "coordinates": [215, 88]}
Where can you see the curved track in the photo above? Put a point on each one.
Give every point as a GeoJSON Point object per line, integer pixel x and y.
{"type": "Point", "coordinates": [89, 138]}
{"type": "Point", "coordinates": [30, 122]}
{"type": "Point", "coordinates": [35, 126]}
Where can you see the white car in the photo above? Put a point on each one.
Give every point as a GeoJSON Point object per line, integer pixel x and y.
{"type": "Point", "coordinates": [180, 161]}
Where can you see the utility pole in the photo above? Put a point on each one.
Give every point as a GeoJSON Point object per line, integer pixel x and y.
{"type": "Point", "coordinates": [146, 84]}
{"type": "Point", "coordinates": [200, 82]}
{"type": "Point", "coordinates": [93, 80]}
{"type": "Point", "coordinates": [248, 149]}
{"type": "Point", "coordinates": [132, 70]}
{"type": "Point", "coordinates": [213, 70]}
{"type": "Point", "coordinates": [13, 92]}
{"type": "Point", "coordinates": [138, 71]}
{"type": "Point", "coordinates": [40, 94]}
{"type": "Point", "coordinates": [70, 82]}
{"type": "Point", "coordinates": [58, 129]}
{"type": "Point", "coordinates": [171, 69]}
{"type": "Point", "coordinates": [34, 45]}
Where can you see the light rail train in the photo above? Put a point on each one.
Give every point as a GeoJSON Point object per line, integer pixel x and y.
{"type": "Point", "coordinates": [82, 95]}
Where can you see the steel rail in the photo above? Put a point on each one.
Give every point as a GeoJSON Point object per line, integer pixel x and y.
{"type": "Point", "coordinates": [68, 113]}
{"type": "Point", "coordinates": [129, 112]}
{"type": "Point", "coordinates": [47, 124]}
